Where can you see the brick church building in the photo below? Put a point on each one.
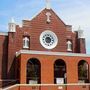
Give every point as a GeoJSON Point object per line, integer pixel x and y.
{"type": "Point", "coordinates": [44, 54]}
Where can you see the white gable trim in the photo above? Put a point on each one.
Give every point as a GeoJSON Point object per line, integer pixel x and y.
{"type": "Point", "coordinates": [35, 15]}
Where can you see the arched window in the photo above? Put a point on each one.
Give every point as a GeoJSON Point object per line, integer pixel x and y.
{"type": "Point", "coordinates": [69, 45]}
{"type": "Point", "coordinates": [33, 71]}
{"type": "Point", "coordinates": [59, 72]}
{"type": "Point", "coordinates": [83, 72]}
{"type": "Point", "coordinates": [26, 42]}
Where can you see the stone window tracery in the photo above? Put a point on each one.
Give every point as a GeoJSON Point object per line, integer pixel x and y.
{"type": "Point", "coordinates": [26, 42]}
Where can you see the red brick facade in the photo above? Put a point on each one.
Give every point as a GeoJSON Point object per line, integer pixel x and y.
{"type": "Point", "coordinates": [14, 67]}
{"type": "Point", "coordinates": [47, 67]}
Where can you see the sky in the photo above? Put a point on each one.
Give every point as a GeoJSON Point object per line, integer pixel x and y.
{"type": "Point", "coordinates": [72, 12]}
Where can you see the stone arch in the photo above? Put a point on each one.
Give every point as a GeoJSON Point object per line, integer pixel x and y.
{"type": "Point", "coordinates": [33, 71]}
{"type": "Point", "coordinates": [83, 71]}
{"type": "Point", "coordinates": [60, 72]}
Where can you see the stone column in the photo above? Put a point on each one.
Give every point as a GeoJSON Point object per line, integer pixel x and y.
{"type": "Point", "coordinates": [47, 71]}
{"type": "Point", "coordinates": [72, 70]}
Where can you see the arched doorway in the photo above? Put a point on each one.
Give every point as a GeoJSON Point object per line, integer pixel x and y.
{"type": "Point", "coordinates": [83, 72]}
{"type": "Point", "coordinates": [59, 72]}
{"type": "Point", "coordinates": [33, 71]}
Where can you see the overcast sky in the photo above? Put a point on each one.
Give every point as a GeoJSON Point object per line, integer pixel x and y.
{"type": "Point", "coordinates": [73, 12]}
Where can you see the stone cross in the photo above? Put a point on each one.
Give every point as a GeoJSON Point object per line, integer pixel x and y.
{"type": "Point", "coordinates": [47, 4]}
{"type": "Point", "coordinates": [48, 14]}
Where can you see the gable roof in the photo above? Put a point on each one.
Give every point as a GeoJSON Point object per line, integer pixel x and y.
{"type": "Point", "coordinates": [48, 10]}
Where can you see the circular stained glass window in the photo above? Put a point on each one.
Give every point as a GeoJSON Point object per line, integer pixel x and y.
{"type": "Point", "coordinates": [48, 39]}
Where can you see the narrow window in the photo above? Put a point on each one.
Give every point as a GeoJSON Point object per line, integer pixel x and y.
{"type": "Point", "coordinates": [25, 42]}
{"type": "Point", "coordinates": [69, 45]}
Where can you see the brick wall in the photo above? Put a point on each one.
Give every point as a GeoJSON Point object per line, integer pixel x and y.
{"type": "Point", "coordinates": [3, 56]}
{"type": "Point", "coordinates": [47, 67]}
{"type": "Point", "coordinates": [33, 29]}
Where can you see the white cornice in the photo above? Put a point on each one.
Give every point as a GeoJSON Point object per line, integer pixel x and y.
{"type": "Point", "coordinates": [4, 33]}
{"type": "Point", "coordinates": [50, 53]}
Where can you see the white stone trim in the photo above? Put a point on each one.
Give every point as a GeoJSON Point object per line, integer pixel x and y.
{"type": "Point", "coordinates": [71, 84]}
{"type": "Point", "coordinates": [10, 87]}
{"type": "Point", "coordinates": [4, 33]}
{"type": "Point", "coordinates": [53, 84]}
{"type": "Point", "coordinates": [51, 53]}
